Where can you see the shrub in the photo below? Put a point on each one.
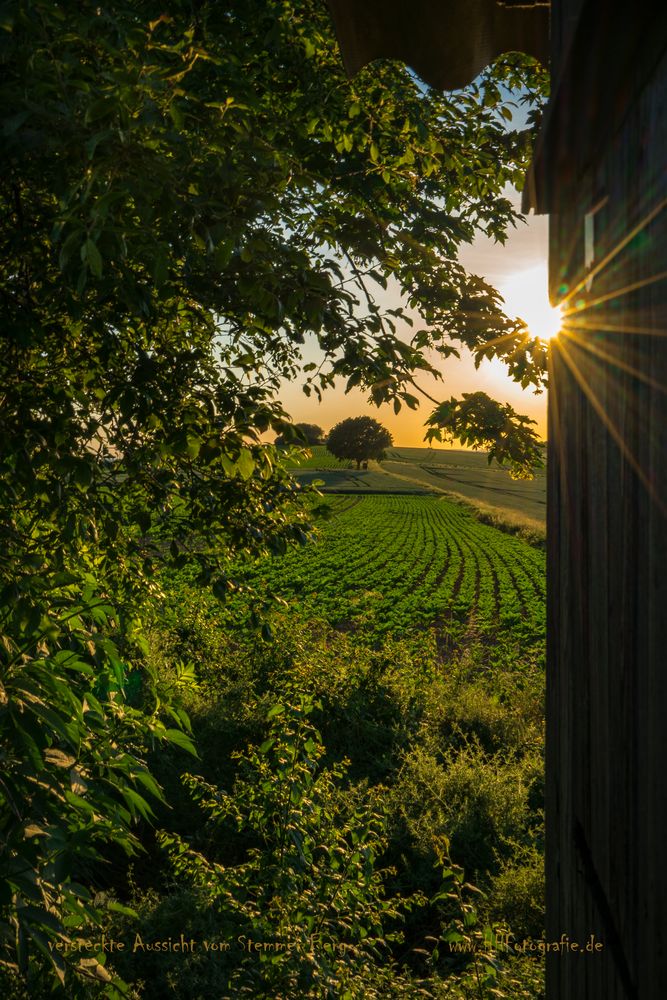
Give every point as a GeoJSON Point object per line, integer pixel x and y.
{"type": "Point", "coordinates": [517, 897]}
{"type": "Point", "coordinates": [307, 888]}
{"type": "Point", "coordinates": [479, 802]}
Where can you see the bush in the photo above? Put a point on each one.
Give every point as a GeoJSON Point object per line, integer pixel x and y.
{"type": "Point", "coordinates": [478, 802]}
{"type": "Point", "coordinates": [517, 897]}
{"type": "Point", "coordinates": [307, 890]}
{"type": "Point", "coordinates": [391, 746]}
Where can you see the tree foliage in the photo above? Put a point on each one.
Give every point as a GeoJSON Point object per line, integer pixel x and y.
{"type": "Point", "coordinates": [480, 421]}
{"type": "Point", "coordinates": [189, 193]}
{"type": "Point", "coordinates": [358, 438]}
{"type": "Point", "coordinates": [310, 433]}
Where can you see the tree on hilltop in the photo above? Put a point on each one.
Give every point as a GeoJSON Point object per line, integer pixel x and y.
{"type": "Point", "coordinates": [312, 433]}
{"type": "Point", "coordinates": [358, 438]}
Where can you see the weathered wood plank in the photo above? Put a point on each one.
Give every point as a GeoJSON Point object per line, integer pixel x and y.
{"type": "Point", "coordinates": [607, 524]}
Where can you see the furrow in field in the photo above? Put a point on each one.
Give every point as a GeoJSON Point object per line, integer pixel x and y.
{"type": "Point", "coordinates": [416, 595]}
{"type": "Point", "coordinates": [491, 546]}
{"type": "Point", "coordinates": [460, 526]}
{"type": "Point", "coordinates": [523, 581]}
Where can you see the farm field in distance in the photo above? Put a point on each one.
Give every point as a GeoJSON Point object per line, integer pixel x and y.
{"type": "Point", "coordinates": [431, 470]}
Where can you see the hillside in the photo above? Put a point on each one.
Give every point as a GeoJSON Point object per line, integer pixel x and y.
{"type": "Point", "coordinates": [430, 471]}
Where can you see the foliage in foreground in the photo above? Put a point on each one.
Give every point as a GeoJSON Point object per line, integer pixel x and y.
{"type": "Point", "coordinates": [345, 796]}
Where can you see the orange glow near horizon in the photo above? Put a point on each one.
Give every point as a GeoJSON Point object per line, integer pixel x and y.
{"type": "Point", "coordinates": [525, 295]}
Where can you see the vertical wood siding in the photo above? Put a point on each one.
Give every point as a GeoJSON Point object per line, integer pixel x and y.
{"type": "Point", "coordinates": [606, 763]}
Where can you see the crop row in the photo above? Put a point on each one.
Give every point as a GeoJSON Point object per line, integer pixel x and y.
{"type": "Point", "coordinates": [388, 564]}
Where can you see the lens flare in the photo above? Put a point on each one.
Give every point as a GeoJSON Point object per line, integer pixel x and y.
{"type": "Point", "coordinates": [525, 295]}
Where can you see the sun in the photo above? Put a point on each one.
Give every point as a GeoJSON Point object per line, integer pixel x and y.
{"type": "Point", "coordinates": [526, 296]}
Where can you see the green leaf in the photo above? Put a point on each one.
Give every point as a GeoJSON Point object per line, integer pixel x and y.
{"type": "Point", "coordinates": [180, 739]}
{"type": "Point", "coordinates": [194, 445]}
{"type": "Point", "coordinates": [91, 255]}
{"type": "Point", "coordinates": [101, 108]}
{"type": "Point", "coordinates": [245, 464]}
{"type": "Point", "coordinates": [116, 907]}
{"type": "Point", "coordinates": [176, 115]}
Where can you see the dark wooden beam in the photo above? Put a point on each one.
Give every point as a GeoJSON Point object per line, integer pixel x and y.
{"type": "Point", "coordinates": [447, 44]}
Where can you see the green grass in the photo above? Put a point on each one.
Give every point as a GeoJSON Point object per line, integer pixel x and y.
{"type": "Point", "coordinates": [372, 480]}
{"type": "Point", "coordinates": [517, 506]}
{"type": "Point", "coordinates": [320, 459]}
{"type": "Point", "coordinates": [343, 477]}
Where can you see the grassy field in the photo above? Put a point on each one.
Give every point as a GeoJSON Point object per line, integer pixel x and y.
{"type": "Point", "coordinates": [468, 473]}
{"type": "Point", "coordinates": [320, 459]}
{"type": "Point", "coordinates": [343, 477]}
{"type": "Point", "coordinates": [375, 479]}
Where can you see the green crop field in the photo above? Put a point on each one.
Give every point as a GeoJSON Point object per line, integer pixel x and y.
{"type": "Point", "coordinates": [320, 459]}
{"type": "Point", "coordinates": [373, 480]}
{"type": "Point", "coordinates": [396, 564]}
{"type": "Point", "coordinates": [337, 476]}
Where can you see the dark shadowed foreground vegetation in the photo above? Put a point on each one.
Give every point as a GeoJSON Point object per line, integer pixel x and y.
{"type": "Point", "coordinates": [346, 802]}
{"type": "Point", "coordinates": [364, 816]}
{"type": "Point", "coordinates": [366, 810]}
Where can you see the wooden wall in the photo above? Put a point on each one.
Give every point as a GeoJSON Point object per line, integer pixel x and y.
{"type": "Point", "coordinates": [606, 799]}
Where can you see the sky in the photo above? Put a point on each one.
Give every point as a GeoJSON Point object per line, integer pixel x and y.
{"type": "Point", "coordinates": [519, 271]}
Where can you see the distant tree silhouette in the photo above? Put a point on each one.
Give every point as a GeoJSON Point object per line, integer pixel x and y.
{"type": "Point", "coordinates": [358, 438]}
{"type": "Point", "coordinates": [311, 432]}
